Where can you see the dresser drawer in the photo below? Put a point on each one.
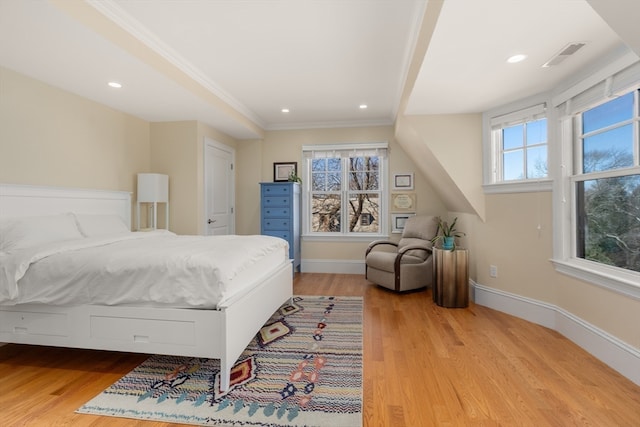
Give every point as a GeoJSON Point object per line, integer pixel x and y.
{"type": "Point", "coordinates": [281, 234]}
{"type": "Point", "coordinates": [276, 212]}
{"type": "Point", "coordinates": [276, 224]}
{"type": "Point", "coordinates": [276, 190]}
{"type": "Point", "coordinates": [270, 201]}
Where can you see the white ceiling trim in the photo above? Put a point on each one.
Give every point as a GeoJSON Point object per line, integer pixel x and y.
{"type": "Point", "coordinates": [414, 34]}
{"type": "Point", "coordinates": [131, 25]}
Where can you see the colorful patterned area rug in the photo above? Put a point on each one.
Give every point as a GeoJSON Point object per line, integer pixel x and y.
{"type": "Point", "coordinates": [304, 368]}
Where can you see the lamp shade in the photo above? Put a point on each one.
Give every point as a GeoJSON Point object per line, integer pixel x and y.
{"type": "Point", "coordinates": [153, 187]}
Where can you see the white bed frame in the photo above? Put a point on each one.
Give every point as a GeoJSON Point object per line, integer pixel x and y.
{"type": "Point", "coordinates": [218, 334]}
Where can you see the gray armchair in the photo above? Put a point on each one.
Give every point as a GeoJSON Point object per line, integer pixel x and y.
{"type": "Point", "coordinates": [405, 265]}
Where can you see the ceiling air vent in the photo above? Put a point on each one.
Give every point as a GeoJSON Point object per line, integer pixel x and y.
{"type": "Point", "coordinates": [566, 52]}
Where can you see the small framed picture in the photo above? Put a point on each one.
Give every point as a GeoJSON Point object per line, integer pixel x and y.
{"type": "Point", "coordinates": [402, 181]}
{"type": "Point", "coordinates": [282, 171]}
{"type": "Point", "coordinates": [398, 220]}
{"type": "Point", "coordinates": [403, 202]}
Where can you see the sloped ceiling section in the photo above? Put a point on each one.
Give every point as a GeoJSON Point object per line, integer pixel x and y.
{"type": "Point", "coordinates": [107, 20]}
{"type": "Point", "coordinates": [463, 70]}
{"type": "Point", "coordinates": [622, 16]}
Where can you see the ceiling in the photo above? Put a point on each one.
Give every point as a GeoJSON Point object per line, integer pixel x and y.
{"type": "Point", "coordinates": [236, 64]}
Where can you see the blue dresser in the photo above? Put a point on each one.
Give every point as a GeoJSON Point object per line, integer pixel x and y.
{"type": "Point", "coordinates": [280, 215]}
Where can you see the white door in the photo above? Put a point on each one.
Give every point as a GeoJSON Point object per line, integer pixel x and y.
{"type": "Point", "coordinates": [219, 187]}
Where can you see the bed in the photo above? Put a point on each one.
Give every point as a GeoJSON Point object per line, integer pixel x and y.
{"type": "Point", "coordinates": [193, 325]}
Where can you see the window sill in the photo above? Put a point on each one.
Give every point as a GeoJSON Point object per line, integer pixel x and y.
{"type": "Point", "coordinates": [615, 279]}
{"type": "Point", "coordinates": [342, 238]}
{"type": "Point", "coordinates": [519, 187]}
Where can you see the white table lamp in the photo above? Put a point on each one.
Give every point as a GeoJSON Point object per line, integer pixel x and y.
{"type": "Point", "coordinates": [154, 188]}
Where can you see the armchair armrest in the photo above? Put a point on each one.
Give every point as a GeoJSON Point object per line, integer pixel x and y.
{"type": "Point", "coordinates": [378, 243]}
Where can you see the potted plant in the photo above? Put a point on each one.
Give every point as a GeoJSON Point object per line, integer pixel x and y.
{"type": "Point", "coordinates": [447, 233]}
{"type": "Point", "coordinates": [293, 177]}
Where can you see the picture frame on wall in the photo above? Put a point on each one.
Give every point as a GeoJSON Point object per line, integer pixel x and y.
{"type": "Point", "coordinates": [282, 171]}
{"type": "Point", "coordinates": [398, 221]}
{"type": "Point", "coordinates": [402, 181]}
{"type": "Point", "coordinates": [403, 202]}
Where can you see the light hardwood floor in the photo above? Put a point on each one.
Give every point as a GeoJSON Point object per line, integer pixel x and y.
{"type": "Point", "coordinates": [424, 365]}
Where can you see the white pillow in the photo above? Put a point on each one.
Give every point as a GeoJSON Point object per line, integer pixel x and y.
{"type": "Point", "coordinates": [27, 232]}
{"type": "Point", "coordinates": [101, 225]}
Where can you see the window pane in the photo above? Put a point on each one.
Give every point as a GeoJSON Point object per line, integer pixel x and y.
{"type": "Point", "coordinates": [364, 212]}
{"type": "Point", "coordinates": [319, 165]}
{"type": "Point", "coordinates": [537, 132]}
{"type": "Point", "coordinates": [607, 114]}
{"type": "Point", "coordinates": [513, 165]}
{"type": "Point", "coordinates": [333, 181]}
{"type": "Point", "coordinates": [325, 213]}
{"type": "Point", "coordinates": [325, 175]}
{"type": "Point", "coordinates": [357, 163]}
{"type": "Point", "coordinates": [537, 162]}
{"type": "Point", "coordinates": [608, 226]}
{"type": "Point", "coordinates": [608, 150]}
{"type": "Point", "coordinates": [334, 164]}
{"type": "Point", "coordinates": [513, 137]}
{"type": "Point", "coordinates": [361, 181]}
{"type": "Point", "coordinates": [318, 181]}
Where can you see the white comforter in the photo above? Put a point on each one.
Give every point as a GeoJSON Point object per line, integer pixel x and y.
{"type": "Point", "coordinates": [149, 268]}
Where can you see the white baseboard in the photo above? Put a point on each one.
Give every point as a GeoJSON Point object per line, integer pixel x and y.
{"type": "Point", "coordinates": [616, 353]}
{"type": "Point", "coordinates": [336, 266]}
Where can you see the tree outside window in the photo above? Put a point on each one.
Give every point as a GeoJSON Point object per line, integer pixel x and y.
{"type": "Point", "coordinates": [345, 195]}
{"type": "Point", "coordinates": [608, 184]}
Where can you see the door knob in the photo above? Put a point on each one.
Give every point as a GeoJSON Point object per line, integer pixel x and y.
{"type": "Point", "coordinates": [211, 221]}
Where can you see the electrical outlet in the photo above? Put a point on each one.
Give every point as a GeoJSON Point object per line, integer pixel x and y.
{"type": "Point", "coordinates": [493, 271]}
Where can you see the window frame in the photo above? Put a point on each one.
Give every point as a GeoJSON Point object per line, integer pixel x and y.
{"type": "Point", "coordinates": [346, 148]}
{"type": "Point", "coordinates": [494, 121]}
{"type": "Point", "coordinates": [570, 173]}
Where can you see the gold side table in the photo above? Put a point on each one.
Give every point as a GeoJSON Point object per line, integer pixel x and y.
{"type": "Point", "coordinates": [451, 277]}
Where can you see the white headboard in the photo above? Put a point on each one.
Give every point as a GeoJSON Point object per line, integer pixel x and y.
{"type": "Point", "coordinates": [26, 200]}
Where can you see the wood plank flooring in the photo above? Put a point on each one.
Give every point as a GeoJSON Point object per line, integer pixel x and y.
{"type": "Point", "coordinates": [424, 365]}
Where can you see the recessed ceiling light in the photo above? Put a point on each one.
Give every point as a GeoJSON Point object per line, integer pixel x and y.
{"type": "Point", "coordinates": [285, 110]}
{"type": "Point", "coordinates": [115, 85]}
{"type": "Point", "coordinates": [363, 106]}
{"type": "Point", "coordinates": [516, 58]}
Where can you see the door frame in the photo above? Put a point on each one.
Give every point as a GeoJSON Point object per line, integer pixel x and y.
{"type": "Point", "coordinates": [209, 142]}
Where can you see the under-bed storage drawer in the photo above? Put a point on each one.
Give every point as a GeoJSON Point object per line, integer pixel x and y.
{"type": "Point", "coordinates": [33, 323]}
{"type": "Point", "coordinates": [143, 330]}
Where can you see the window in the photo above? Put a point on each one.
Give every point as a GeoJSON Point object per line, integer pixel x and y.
{"type": "Point", "coordinates": [519, 146]}
{"type": "Point", "coordinates": [606, 183]}
{"type": "Point", "coordinates": [345, 194]}
{"type": "Point", "coordinates": [597, 193]}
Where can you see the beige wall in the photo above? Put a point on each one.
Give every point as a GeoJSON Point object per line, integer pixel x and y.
{"type": "Point", "coordinates": [174, 151]}
{"type": "Point", "coordinates": [510, 239]}
{"type": "Point", "coordinates": [52, 137]}
{"type": "Point", "coordinates": [256, 158]}
{"type": "Point", "coordinates": [248, 175]}
{"type": "Point", "coordinates": [177, 149]}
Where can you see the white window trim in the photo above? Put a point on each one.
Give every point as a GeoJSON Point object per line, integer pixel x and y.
{"type": "Point", "coordinates": [616, 279]}
{"type": "Point", "coordinates": [514, 112]}
{"type": "Point", "coordinates": [384, 195]}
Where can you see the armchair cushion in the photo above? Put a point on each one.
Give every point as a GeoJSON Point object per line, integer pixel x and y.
{"type": "Point", "coordinates": [385, 261]}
